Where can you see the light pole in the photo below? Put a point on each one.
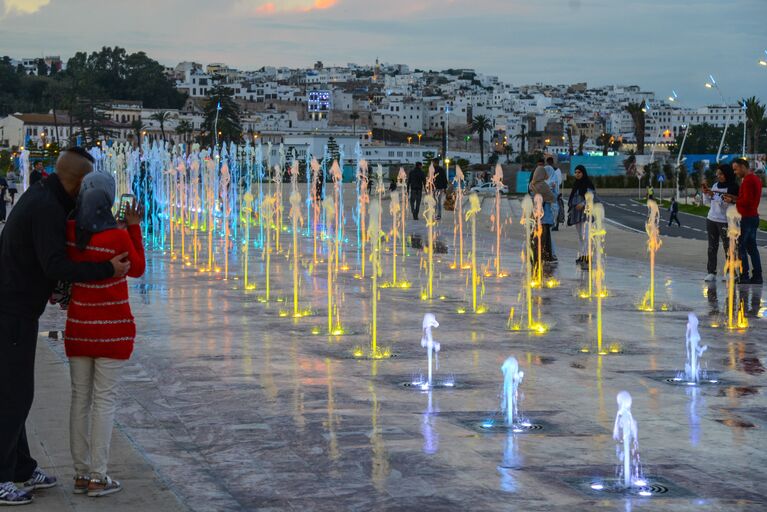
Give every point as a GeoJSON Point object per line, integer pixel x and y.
{"type": "Point", "coordinates": [745, 126]}
{"type": "Point", "coordinates": [763, 61]}
{"type": "Point", "coordinates": [447, 125]}
{"type": "Point", "coordinates": [420, 134]}
{"type": "Point", "coordinates": [713, 85]}
{"type": "Point", "coordinates": [674, 98]}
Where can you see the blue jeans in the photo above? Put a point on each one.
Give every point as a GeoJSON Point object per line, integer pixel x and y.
{"type": "Point", "coordinates": [747, 246]}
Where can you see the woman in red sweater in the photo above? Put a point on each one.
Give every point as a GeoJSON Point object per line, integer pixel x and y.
{"type": "Point", "coordinates": [100, 330]}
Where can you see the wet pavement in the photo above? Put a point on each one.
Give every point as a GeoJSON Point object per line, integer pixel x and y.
{"type": "Point", "coordinates": [238, 408]}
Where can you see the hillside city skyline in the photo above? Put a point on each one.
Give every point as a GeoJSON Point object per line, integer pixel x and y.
{"type": "Point", "coordinates": [657, 44]}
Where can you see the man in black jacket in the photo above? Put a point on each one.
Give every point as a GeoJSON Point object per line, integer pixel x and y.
{"type": "Point", "coordinates": [32, 259]}
{"type": "Point", "coordinates": [415, 182]}
{"type": "Point", "coordinates": [440, 186]}
{"type": "Point", "coordinates": [36, 174]}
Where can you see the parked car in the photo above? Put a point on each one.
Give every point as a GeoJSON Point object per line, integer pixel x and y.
{"type": "Point", "coordinates": [488, 189]}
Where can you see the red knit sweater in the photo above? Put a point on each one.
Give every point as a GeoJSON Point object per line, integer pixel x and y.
{"type": "Point", "coordinates": [749, 196]}
{"type": "Point", "coordinates": [99, 318]}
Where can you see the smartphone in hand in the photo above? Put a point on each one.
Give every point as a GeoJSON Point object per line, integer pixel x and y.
{"type": "Point", "coordinates": [126, 200]}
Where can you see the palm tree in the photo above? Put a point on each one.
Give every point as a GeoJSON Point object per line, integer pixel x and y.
{"type": "Point", "coordinates": [161, 117]}
{"type": "Point", "coordinates": [522, 137]}
{"type": "Point", "coordinates": [754, 119]}
{"type": "Point", "coordinates": [184, 128]}
{"type": "Point", "coordinates": [605, 140]}
{"type": "Point", "coordinates": [508, 150]}
{"type": "Point", "coordinates": [637, 112]}
{"type": "Point", "coordinates": [581, 141]}
{"type": "Point", "coordinates": [354, 116]}
{"type": "Point", "coordinates": [480, 125]}
{"type": "Point", "coordinates": [570, 148]}
{"type": "Point", "coordinates": [137, 126]}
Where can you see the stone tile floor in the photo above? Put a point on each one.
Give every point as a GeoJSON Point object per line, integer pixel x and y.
{"type": "Point", "coordinates": [238, 408]}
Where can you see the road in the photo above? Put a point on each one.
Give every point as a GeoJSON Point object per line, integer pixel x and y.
{"type": "Point", "coordinates": [627, 213]}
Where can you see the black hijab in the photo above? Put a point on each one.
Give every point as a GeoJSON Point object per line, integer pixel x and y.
{"type": "Point", "coordinates": [583, 185]}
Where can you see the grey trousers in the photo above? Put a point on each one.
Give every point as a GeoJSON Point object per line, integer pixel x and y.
{"type": "Point", "coordinates": [716, 231]}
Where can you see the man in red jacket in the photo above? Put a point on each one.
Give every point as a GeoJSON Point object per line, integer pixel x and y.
{"type": "Point", "coordinates": [747, 203]}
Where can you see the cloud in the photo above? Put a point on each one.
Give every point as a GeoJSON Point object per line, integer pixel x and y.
{"type": "Point", "coordinates": [261, 8]}
{"type": "Point", "coordinates": [20, 7]}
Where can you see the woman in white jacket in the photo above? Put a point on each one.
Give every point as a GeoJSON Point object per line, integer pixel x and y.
{"type": "Point", "coordinates": [716, 221]}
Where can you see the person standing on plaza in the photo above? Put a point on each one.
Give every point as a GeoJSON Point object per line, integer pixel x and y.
{"type": "Point", "coordinates": [673, 212]}
{"type": "Point", "coordinates": [716, 220]}
{"type": "Point", "coordinates": [440, 186]}
{"type": "Point", "coordinates": [747, 203]}
{"type": "Point", "coordinates": [37, 173]}
{"type": "Point", "coordinates": [3, 188]}
{"type": "Point", "coordinates": [555, 180]}
{"type": "Point", "coordinates": [540, 186]}
{"type": "Point", "coordinates": [416, 180]}
{"type": "Point", "coordinates": [100, 330]}
{"type": "Point", "coordinates": [33, 258]}
{"type": "Point", "coordinates": [576, 214]}
{"type": "Point", "coordinates": [13, 184]}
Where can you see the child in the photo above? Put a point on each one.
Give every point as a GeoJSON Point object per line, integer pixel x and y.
{"type": "Point", "coordinates": [100, 329]}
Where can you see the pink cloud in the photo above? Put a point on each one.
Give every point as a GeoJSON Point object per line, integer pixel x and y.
{"type": "Point", "coordinates": [258, 7]}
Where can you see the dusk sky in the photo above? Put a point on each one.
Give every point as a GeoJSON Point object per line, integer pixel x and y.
{"type": "Point", "coordinates": [658, 44]}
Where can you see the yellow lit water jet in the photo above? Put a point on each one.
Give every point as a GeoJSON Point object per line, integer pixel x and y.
{"type": "Point", "coordinates": [588, 212]}
{"type": "Point", "coordinates": [247, 211]}
{"type": "Point", "coordinates": [267, 214]}
{"type": "Point", "coordinates": [653, 244]}
{"type": "Point", "coordinates": [224, 184]}
{"type": "Point", "coordinates": [328, 204]}
{"type": "Point", "coordinates": [528, 222]}
{"type": "Point", "coordinates": [315, 197]}
{"type": "Point", "coordinates": [364, 199]}
{"type": "Point", "coordinates": [597, 233]}
{"type": "Point", "coordinates": [471, 214]}
{"type": "Point", "coordinates": [277, 207]}
{"type": "Point", "coordinates": [337, 175]}
{"type": "Point", "coordinates": [211, 204]}
{"type": "Point", "coordinates": [428, 213]}
{"type": "Point", "coordinates": [497, 181]}
{"type": "Point", "coordinates": [374, 235]}
{"type": "Point", "coordinates": [297, 219]}
{"type": "Point", "coordinates": [459, 178]}
{"type": "Point", "coordinates": [402, 185]}
{"type": "Point", "coordinates": [733, 264]}
{"type": "Point", "coordinates": [538, 216]}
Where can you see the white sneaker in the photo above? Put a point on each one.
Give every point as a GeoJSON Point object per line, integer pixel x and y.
{"type": "Point", "coordinates": [710, 278]}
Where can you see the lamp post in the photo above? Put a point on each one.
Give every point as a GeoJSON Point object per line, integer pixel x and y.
{"type": "Point", "coordinates": [711, 84]}
{"type": "Point", "coordinates": [447, 125]}
{"type": "Point", "coordinates": [763, 60]}
{"type": "Point", "coordinates": [420, 134]}
{"type": "Point", "coordinates": [42, 147]}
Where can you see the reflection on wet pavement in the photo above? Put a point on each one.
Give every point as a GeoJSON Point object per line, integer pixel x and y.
{"type": "Point", "coordinates": [238, 408]}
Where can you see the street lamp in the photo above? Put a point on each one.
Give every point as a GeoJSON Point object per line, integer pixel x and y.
{"type": "Point", "coordinates": [711, 84]}
{"type": "Point", "coordinates": [420, 134]}
{"type": "Point", "coordinates": [409, 139]}
{"type": "Point", "coordinates": [762, 61]}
